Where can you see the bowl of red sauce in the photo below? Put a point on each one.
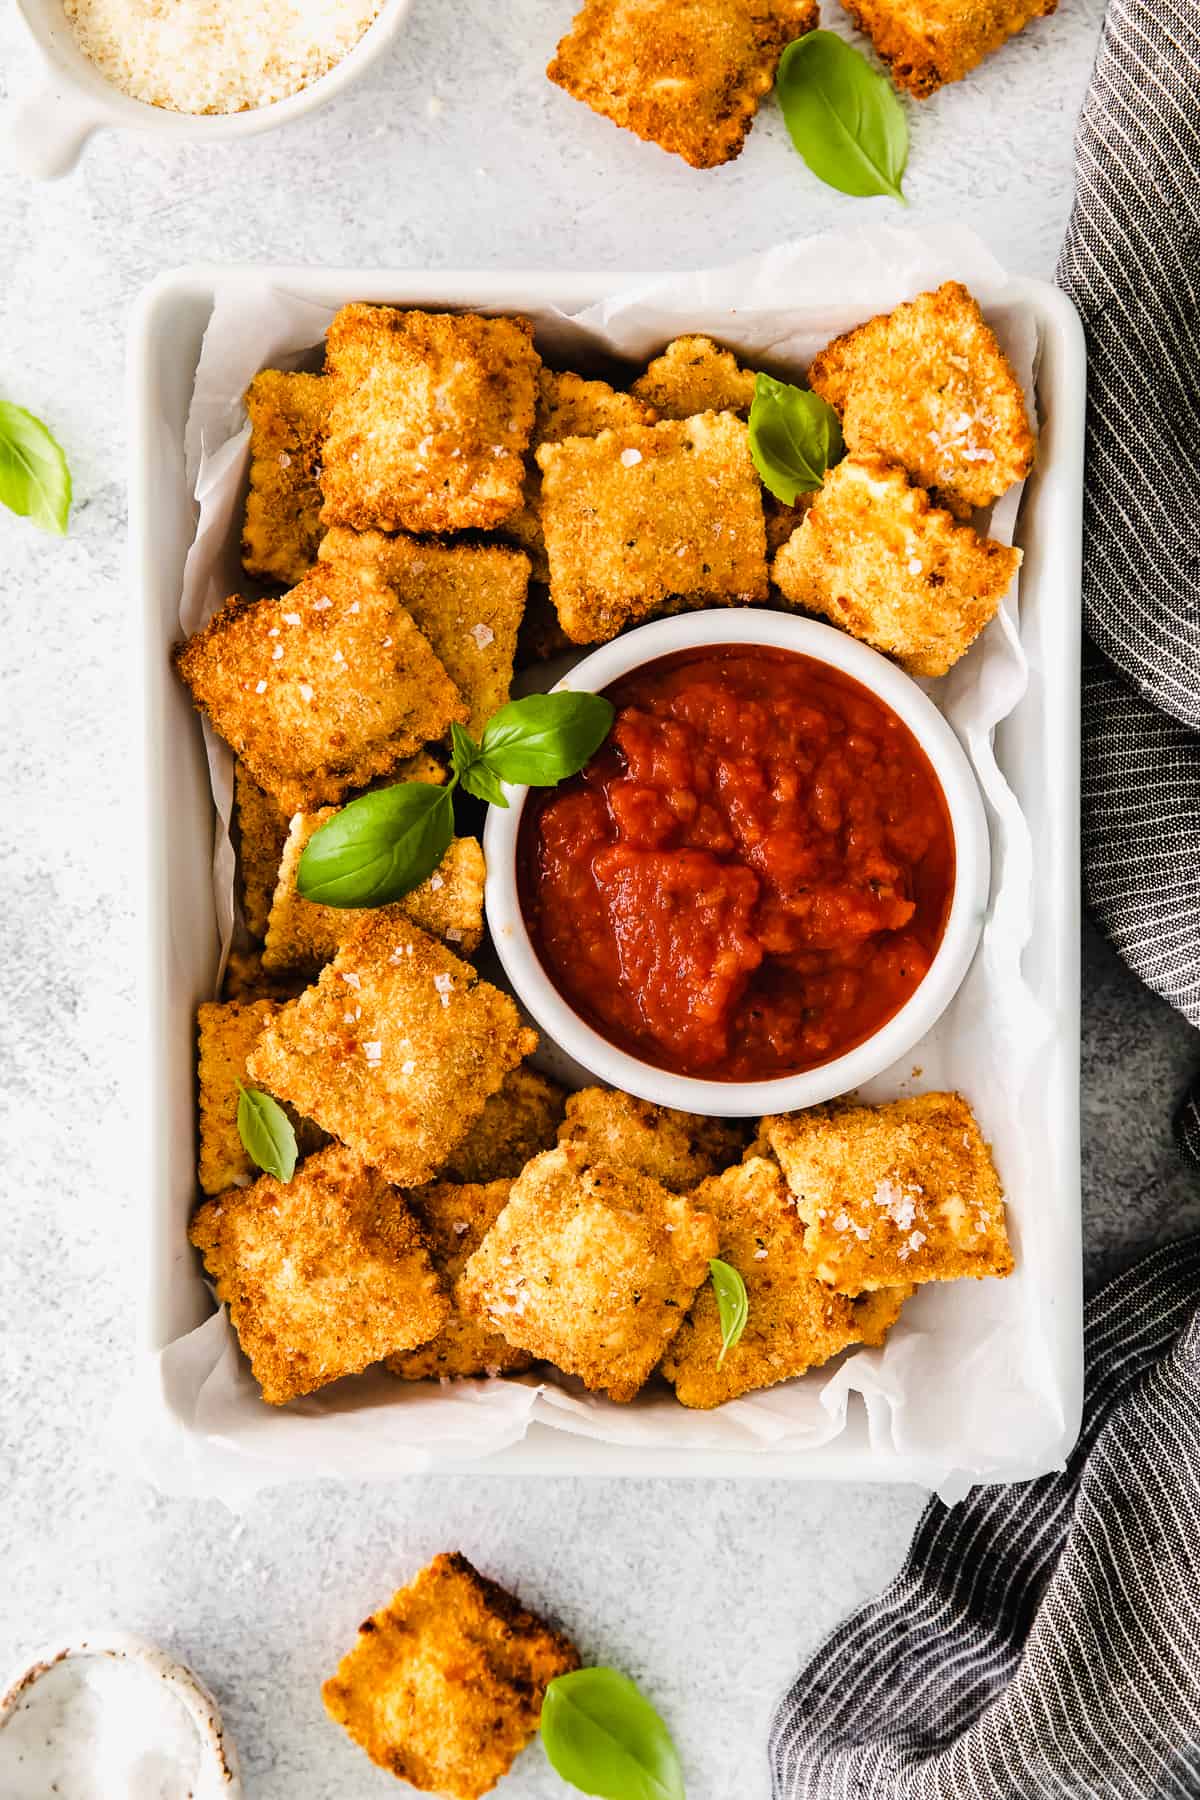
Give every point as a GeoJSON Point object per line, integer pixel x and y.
{"type": "Point", "coordinates": [767, 884]}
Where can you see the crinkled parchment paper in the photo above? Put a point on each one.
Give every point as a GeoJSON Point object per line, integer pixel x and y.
{"type": "Point", "coordinates": [965, 1387]}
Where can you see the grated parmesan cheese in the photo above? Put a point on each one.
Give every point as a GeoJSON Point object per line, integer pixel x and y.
{"type": "Point", "coordinates": [216, 56]}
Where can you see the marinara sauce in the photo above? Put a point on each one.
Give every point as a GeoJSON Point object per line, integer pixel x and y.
{"type": "Point", "coordinates": [751, 875]}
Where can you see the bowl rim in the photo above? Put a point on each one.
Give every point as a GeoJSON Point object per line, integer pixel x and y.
{"type": "Point", "coordinates": [77, 85]}
{"type": "Point", "coordinates": [554, 1015]}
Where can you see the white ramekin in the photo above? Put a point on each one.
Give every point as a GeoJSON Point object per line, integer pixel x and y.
{"type": "Point", "coordinates": [45, 132]}
{"type": "Point", "coordinates": [920, 1012]}
{"type": "Point", "coordinates": [219, 1773]}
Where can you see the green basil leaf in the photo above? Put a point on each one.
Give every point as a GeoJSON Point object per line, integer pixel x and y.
{"type": "Point", "coordinates": [733, 1304]}
{"type": "Point", "coordinates": [604, 1738]}
{"type": "Point", "coordinates": [795, 437]}
{"type": "Point", "coordinates": [266, 1133]}
{"type": "Point", "coordinates": [35, 481]}
{"type": "Point", "coordinates": [464, 751]}
{"type": "Point", "coordinates": [843, 116]}
{"type": "Point", "coordinates": [472, 771]}
{"type": "Point", "coordinates": [538, 741]}
{"type": "Point", "coordinates": [379, 847]}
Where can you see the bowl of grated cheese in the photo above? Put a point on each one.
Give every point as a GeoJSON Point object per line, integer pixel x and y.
{"type": "Point", "coordinates": [194, 71]}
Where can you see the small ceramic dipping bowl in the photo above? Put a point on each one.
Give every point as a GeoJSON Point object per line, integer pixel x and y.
{"type": "Point", "coordinates": [963, 919]}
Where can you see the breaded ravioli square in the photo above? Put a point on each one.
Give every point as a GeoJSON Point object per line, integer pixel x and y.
{"type": "Point", "coordinates": [904, 576]}
{"type": "Point", "coordinates": [685, 74]}
{"type": "Point", "coordinates": [282, 526]}
{"type": "Point", "coordinates": [226, 1034]}
{"type": "Point", "coordinates": [677, 1149]}
{"type": "Point", "coordinates": [444, 1685]}
{"type": "Point", "coordinates": [694, 375]}
{"type": "Point", "coordinates": [301, 934]}
{"type": "Point", "coordinates": [905, 1192]}
{"type": "Point", "coordinates": [323, 690]}
{"type": "Point", "coordinates": [456, 1217]}
{"type": "Point", "coordinates": [395, 1049]}
{"type": "Point", "coordinates": [262, 833]}
{"type": "Point", "coordinates": [520, 1120]}
{"type": "Point", "coordinates": [568, 406]}
{"type": "Point", "coordinates": [323, 1274]}
{"type": "Point", "coordinates": [927, 43]}
{"type": "Point", "coordinates": [466, 599]}
{"type": "Point", "coordinates": [928, 386]}
{"type": "Point", "coordinates": [651, 519]}
{"type": "Point", "coordinates": [430, 419]}
{"type": "Point", "coordinates": [794, 1321]}
{"type": "Point", "coordinates": [590, 1267]}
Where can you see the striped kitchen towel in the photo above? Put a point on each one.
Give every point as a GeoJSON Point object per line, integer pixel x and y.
{"type": "Point", "coordinates": [1042, 1641]}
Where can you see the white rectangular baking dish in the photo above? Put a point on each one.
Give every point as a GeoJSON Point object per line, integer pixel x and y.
{"type": "Point", "coordinates": [1037, 749]}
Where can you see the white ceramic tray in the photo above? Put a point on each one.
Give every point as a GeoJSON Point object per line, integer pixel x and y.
{"type": "Point", "coordinates": [1037, 748]}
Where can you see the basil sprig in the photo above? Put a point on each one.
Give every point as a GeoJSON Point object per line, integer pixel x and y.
{"type": "Point", "coordinates": [843, 116]}
{"type": "Point", "coordinates": [603, 1737]}
{"type": "Point", "coordinates": [733, 1304]}
{"type": "Point", "coordinates": [266, 1133]}
{"type": "Point", "coordinates": [35, 481]}
{"type": "Point", "coordinates": [795, 437]}
{"type": "Point", "coordinates": [383, 845]}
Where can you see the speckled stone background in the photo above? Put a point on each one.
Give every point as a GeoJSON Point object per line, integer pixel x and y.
{"type": "Point", "coordinates": [456, 150]}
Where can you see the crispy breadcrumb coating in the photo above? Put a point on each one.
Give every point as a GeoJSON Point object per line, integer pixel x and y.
{"type": "Point", "coordinates": [590, 1267]}
{"type": "Point", "coordinates": [651, 519]}
{"type": "Point", "coordinates": [519, 1120]}
{"type": "Point", "coordinates": [927, 43]}
{"type": "Point", "coordinates": [456, 1217]}
{"type": "Point", "coordinates": [430, 420]}
{"type": "Point", "coordinates": [905, 1192]}
{"type": "Point", "coordinates": [262, 832]}
{"type": "Point", "coordinates": [323, 690]}
{"type": "Point", "coordinates": [395, 1049]}
{"type": "Point", "coordinates": [282, 528]}
{"type": "Point", "coordinates": [877, 559]}
{"type": "Point", "coordinates": [685, 74]}
{"type": "Point", "coordinates": [226, 1035]}
{"type": "Point", "coordinates": [694, 375]}
{"type": "Point", "coordinates": [466, 599]}
{"type": "Point", "coordinates": [928, 386]}
{"type": "Point", "coordinates": [444, 1685]}
{"type": "Point", "coordinates": [322, 1274]}
{"type": "Point", "coordinates": [301, 934]}
{"type": "Point", "coordinates": [677, 1149]}
{"type": "Point", "coordinates": [794, 1322]}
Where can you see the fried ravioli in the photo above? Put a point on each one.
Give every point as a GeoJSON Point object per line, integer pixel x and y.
{"type": "Point", "coordinates": [323, 1274]}
{"type": "Point", "coordinates": [590, 1267]}
{"type": "Point", "coordinates": [651, 519]}
{"type": "Point", "coordinates": [694, 375]}
{"type": "Point", "coordinates": [282, 528]}
{"type": "Point", "coordinates": [905, 1192]}
{"type": "Point", "coordinates": [455, 1219]}
{"type": "Point", "coordinates": [444, 1685]}
{"type": "Point", "coordinates": [226, 1035]}
{"type": "Point", "coordinates": [520, 1120]}
{"type": "Point", "coordinates": [687, 75]}
{"type": "Point", "coordinates": [927, 43]}
{"type": "Point", "coordinates": [677, 1149]}
{"type": "Point", "coordinates": [301, 934]}
{"type": "Point", "coordinates": [928, 386]}
{"type": "Point", "coordinates": [877, 559]}
{"type": "Point", "coordinates": [396, 1048]}
{"type": "Point", "coordinates": [568, 406]}
{"type": "Point", "coordinates": [466, 599]}
{"type": "Point", "coordinates": [323, 690]}
{"type": "Point", "coordinates": [430, 420]}
{"type": "Point", "coordinates": [794, 1321]}
{"type": "Point", "coordinates": [262, 833]}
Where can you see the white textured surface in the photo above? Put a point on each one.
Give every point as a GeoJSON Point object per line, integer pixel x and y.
{"type": "Point", "coordinates": [708, 1593]}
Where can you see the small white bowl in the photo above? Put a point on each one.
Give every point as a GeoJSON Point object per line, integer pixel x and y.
{"type": "Point", "coordinates": [218, 1776]}
{"type": "Point", "coordinates": [46, 132]}
{"type": "Point", "coordinates": [919, 1013]}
